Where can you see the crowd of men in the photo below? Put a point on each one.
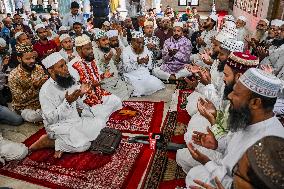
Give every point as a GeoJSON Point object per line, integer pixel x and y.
{"type": "Point", "coordinates": [72, 77]}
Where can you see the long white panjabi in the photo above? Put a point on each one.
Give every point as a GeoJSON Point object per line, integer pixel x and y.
{"type": "Point", "coordinates": [62, 122]}
{"type": "Point", "coordinates": [138, 75]}
{"type": "Point", "coordinates": [234, 145]}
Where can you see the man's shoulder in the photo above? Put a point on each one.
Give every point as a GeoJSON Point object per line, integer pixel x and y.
{"type": "Point", "coordinates": [14, 73]}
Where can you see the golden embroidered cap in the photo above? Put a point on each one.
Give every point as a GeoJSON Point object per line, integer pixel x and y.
{"type": "Point", "coordinates": [148, 23]}
{"type": "Point", "coordinates": [137, 34]}
{"type": "Point", "coordinates": [82, 40]}
{"type": "Point", "coordinates": [52, 59]}
{"type": "Point", "coordinates": [266, 159]}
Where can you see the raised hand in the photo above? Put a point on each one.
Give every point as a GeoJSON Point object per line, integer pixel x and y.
{"type": "Point", "coordinates": [206, 140]}
{"type": "Point", "coordinates": [197, 155]}
{"type": "Point", "coordinates": [193, 68]}
{"type": "Point", "coordinates": [207, 109]}
{"type": "Point", "coordinates": [73, 97]}
{"type": "Point", "coordinates": [203, 185]}
{"type": "Point", "coordinates": [191, 83]}
{"type": "Point", "coordinates": [267, 68]}
{"type": "Point", "coordinates": [205, 76]}
{"type": "Point", "coordinates": [85, 88]}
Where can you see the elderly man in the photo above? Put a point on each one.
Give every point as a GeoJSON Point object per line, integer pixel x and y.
{"type": "Point", "coordinates": [165, 32]}
{"type": "Point", "coordinates": [109, 62]}
{"type": "Point", "coordinates": [68, 52]}
{"type": "Point", "coordinates": [85, 70]}
{"type": "Point", "coordinates": [242, 31]}
{"type": "Point", "coordinates": [74, 16]}
{"type": "Point", "coordinates": [152, 42]}
{"type": "Point", "coordinates": [68, 129]}
{"type": "Point", "coordinates": [43, 46]}
{"type": "Point", "coordinates": [211, 115]}
{"type": "Point", "coordinates": [5, 32]}
{"type": "Point", "coordinates": [25, 82]}
{"type": "Point", "coordinates": [175, 54]}
{"type": "Point", "coordinates": [251, 118]}
{"type": "Point", "coordinates": [137, 63]}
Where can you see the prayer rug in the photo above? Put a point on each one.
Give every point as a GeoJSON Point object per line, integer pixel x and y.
{"type": "Point", "coordinates": [123, 169]}
{"type": "Point", "coordinates": [182, 115]}
{"type": "Point", "coordinates": [164, 172]}
{"type": "Point", "coordinates": [138, 117]}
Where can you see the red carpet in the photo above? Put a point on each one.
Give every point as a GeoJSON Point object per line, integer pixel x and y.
{"type": "Point", "coordinates": [148, 117]}
{"type": "Point", "coordinates": [182, 115]}
{"type": "Point", "coordinates": [124, 169]}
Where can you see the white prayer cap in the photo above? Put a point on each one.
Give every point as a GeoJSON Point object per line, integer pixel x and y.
{"type": "Point", "coordinates": [106, 23]}
{"type": "Point", "coordinates": [82, 40]}
{"type": "Point", "coordinates": [33, 12]}
{"type": "Point", "coordinates": [166, 18]}
{"type": "Point", "coordinates": [276, 22]}
{"type": "Point", "coordinates": [233, 45]}
{"type": "Point", "coordinates": [137, 34]}
{"type": "Point", "coordinates": [159, 16]}
{"type": "Point", "coordinates": [2, 42]}
{"type": "Point", "coordinates": [39, 26]}
{"type": "Point", "coordinates": [214, 17]}
{"type": "Point", "coordinates": [242, 18]}
{"type": "Point", "coordinates": [148, 23]}
{"type": "Point", "coordinates": [63, 36]}
{"type": "Point", "coordinates": [261, 82]}
{"type": "Point", "coordinates": [229, 18]}
{"type": "Point", "coordinates": [52, 12]}
{"type": "Point", "coordinates": [63, 28]}
{"type": "Point", "coordinates": [18, 34]}
{"type": "Point", "coordinates": [52, 59]}
{"type": "Point", "coordinates": [112, 33]}
{"type": "Point", "coordinates": [178, 24]}
{"type": "Point", "coordinates": [265, 20]}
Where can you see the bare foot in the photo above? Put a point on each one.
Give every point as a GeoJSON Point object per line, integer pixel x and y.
{"type": "Point", "coordinates": [58, 154]}
{"type": "Point", "coordinates": [42, 142]}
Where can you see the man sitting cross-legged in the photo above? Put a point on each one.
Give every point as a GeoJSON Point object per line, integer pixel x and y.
{"type": "Point", "coordinates": [69, 123]}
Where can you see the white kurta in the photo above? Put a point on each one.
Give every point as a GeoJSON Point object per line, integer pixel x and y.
{"type": "Point", "coordinates": [62, 122]}
{"type": "Point", "coordinates": [138, 75]}
{"type": "Point", "coordinates": [115, 84]}
{"type": "Point", "coordinates": [234, 145]}
{"type": "Point", "coordinates": [110, 103]}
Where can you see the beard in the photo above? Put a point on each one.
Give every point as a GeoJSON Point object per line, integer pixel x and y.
{"type": "Point", "coordinates": [176, 37]}
{"type": "Point", "coordinates": [114, 45]}
{"type": "Point", "coordinates": [28, 68]}
{"type": "Point", "coordinates": [278, 42]}
{"type": "Point", "coordinates": [65, 82]}
{"type": "Point", "coordinates": [239, 119]}
{"type": "Point", "coordinates": [89, 58]}
{"type": "Point", "coordinates": [259, 34]}
{"type": "Point", "coordinates": [221, 65]}
{"type": "Point", "coordinates": [227, 90]}
{"type": "Point", "coordinates": [105, 49]}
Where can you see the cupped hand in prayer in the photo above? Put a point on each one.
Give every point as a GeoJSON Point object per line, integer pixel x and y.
{"type": "Point", "coordinates": [197, 155]}
{"type": "Point", "coordinates": [262, 52]}
{"type": "Point", "coordinates": [207, 186]}
{"type": "Point", "coordinates": [193, 68]}
{"type": "Point", "coordinates": [267, 68]}
{"type": "Point", "coordinates": [206, 140]}
{"type": "Point", "coordinates": [107, 74]}
{"type": "Point", "coordinates": [85, 88]}
{"type": "Point", "coordinates": [108, 56]}
{"type": "Point", "coordinates": [207, 109]}
{"type": "Point", "coordinates": [73, 96]}
{"type": "Point", "coordinates": [151, 46]}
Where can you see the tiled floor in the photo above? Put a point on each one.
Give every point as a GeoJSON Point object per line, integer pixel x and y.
{"type": "Point", "coordinates": [20, 133]}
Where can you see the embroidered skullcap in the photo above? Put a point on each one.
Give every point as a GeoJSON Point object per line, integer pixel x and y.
{"type": "Point", "coordinates": [229, 31]}
{"type": "Point", "coordinates": [2, 42]}
{"type": "Point", "coordinates": [18, 34]}
{"type": "Point", "coordinates": [213, 16]}
{"type": "Point", "coordinates": [242, 62]}
{"type": "Point", "coordinates": [82, 40]}
{"type": "Point", "coordinates": [52, 59]}
{"type": "Point", "coordinates": [24, 48]}
{"type": "Point", "coordinates": [166, 18]}
{"type": "Point", "coordinates": [276, 22]}
{"type": "Point", "coordinates": [242, 18]}
{"type": "Point", "coordinates": [63, 36]}
{"type": "Point", "coordinates": [112, 33]}
{"type": "Point", "coordinates": [63, 28]}
{"type": "Point", "coordinates": [136, 34]}
{"type": "Point", "coordinates": [233, 45]}
{"type": "Point", "coordinates": [266, 159]}
{"type": "Point", "coordinates": [261, 82]}
{"type": "Point", "coordinates": [178, 24]}
{"type": "Point", "coordinates": [148, 23]}
{"type": "Point", "coordinates": [229, 18]}
{"type": "Point", "coordinates": [106, 23]}
{"type": "Point", "coordinates": [100, 34]}
{"type": "Point", "coordinates": [39, 26]}
{"type": "Point", "coordinates": [265, 20]}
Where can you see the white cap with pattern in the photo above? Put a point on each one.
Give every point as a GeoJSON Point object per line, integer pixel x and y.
{"type": "Point", "coordinates": [52, 59]}
{"type": "Point", "coordinates": [63, 36]}
{"type": "Point", "coordinates": [233, 45]}
{"type": "Point", "coordinates": [112, 33]}
{"type": "Point", "coordinates": [82, 40]}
